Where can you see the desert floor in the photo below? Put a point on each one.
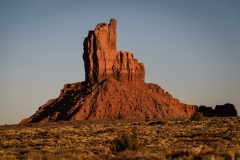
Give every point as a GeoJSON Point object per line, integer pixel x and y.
{"type": "Point", "coordinates": [212, 138]}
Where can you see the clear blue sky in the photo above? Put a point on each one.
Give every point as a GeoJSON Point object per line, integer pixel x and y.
{"type": "Point", "coordinates": [190, 48]}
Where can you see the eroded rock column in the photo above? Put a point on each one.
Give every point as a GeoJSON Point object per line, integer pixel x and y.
{"type": "Point", "coordinates": [102, 60]}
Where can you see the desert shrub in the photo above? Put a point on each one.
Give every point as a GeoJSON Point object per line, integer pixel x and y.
{"type": "Point", "coordinates": [32, 155]}
{"type": "Point", "coordinates": [237, 156]}
{"type": "Point", "coordinates": [179, 154]}
{"type": "Point", "coordinates": [197, 116]}
{"type": "Point", "coordinates": [126, 141]}
{"type": "Point", "coordinates": [132, 155]}
{"type": "Point", "coordinates": [147, 119]}
{"type": "Point", "coordinates": [207, 151]}
{"type": "Point", "coordinates": [161, 122]}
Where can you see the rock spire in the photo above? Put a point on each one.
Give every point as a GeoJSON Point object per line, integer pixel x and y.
{"type": "Point", "coordinates": [102, 60]}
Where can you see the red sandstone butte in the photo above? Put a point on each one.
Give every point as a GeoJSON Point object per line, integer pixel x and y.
{"type": "Point", "coordinates": [114, 87]}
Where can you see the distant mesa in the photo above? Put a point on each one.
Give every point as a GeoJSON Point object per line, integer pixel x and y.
{"type": "Point", "coordinates": [226, 110]}
{"type": "Point", "coordinates": [114, 87]}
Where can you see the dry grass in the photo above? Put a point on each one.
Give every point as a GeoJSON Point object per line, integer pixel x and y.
{"type": "Point", "coordinates": [212, 138]}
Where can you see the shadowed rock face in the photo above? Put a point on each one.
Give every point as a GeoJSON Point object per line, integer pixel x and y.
{"type": "Point", "coordinates": [227, 110]}
{"type": "Point", "coordinates": [114, 87]}
{"type": "Point", "coordinates": [102, 59]}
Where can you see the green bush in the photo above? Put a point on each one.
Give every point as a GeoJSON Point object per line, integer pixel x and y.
{"type": "Point", "coordinates": [126, 141]}
{"type": "Point", "coordinates": [197, 116]}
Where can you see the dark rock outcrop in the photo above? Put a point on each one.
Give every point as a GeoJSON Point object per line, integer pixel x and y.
{"type": "Point", "coordinates": [114, 87]}
{"type": "Point", "coordinates": [227, 110]}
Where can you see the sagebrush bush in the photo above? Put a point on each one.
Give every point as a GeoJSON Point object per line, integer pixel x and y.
{"type": "Point", "coordinates": [197, 116]}
{"type": "Point", "coordinates": [126, 141]}
{"type": "Point", "coordinates": [147, 119]}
